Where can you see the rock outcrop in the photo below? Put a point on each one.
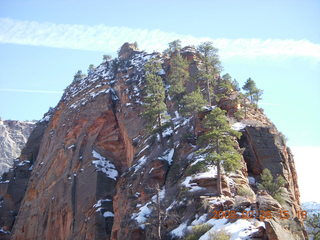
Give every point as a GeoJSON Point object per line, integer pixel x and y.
{"type": "Point", "coordinates": [97, 174]}
{"type": "Point", "coordinates": [13, 137]}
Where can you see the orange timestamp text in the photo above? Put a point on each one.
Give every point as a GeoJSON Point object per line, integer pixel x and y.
{"type": "Point", "coordinates": [283, 214]}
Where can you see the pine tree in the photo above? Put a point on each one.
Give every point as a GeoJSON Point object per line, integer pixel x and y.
{"type": "Point", "coordinates": [257, 96]}
{"type": "Point", "coordinates": [192, 103]}
{"type": "Point", "coordinates": [78, 76]}
{"type": "Point", "coordinates": [160, 212]}
{"type": "Point", "coordinates": [223, 86]}
{"type": "Point", "coordinates": [107, 57]}
{"type": "Point", "coordinates": [252, 91]}
{"type": "Point", "coordinates": [211, 66]}
{"type": "Point", "coordinates": [91, 69]}
{"type": "Point", "coordinates": [219, 144]}
{"type": "Point", "coordinates": [235, 85]}
{"type": "Point", "coordinates": [242, 99]}
{"type": "Point", "coordinates": [274, 188]}
{"type": "Point", "coordinates": [174, 46]}
{"type": "Point", "coordinates": [178, 76]}
{"type": "Point", "coordinates": [155, 108]}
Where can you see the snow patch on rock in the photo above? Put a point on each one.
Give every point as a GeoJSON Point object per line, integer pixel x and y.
{"type": "Point", "coordinates": [238, 126]}
{"type": "Point", "coordinates": [104, 166]}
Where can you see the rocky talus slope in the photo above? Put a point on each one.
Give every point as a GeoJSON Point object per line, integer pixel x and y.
{"type": "Point", "coordinates": [97, 174]}
{"type": "Point", "coordinates": [13, 137]}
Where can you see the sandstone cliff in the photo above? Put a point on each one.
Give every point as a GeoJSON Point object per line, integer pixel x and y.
{"type": "Point", "coordinates": [97, 174]}
{"type": "Point", "coordinates": [13, 137]}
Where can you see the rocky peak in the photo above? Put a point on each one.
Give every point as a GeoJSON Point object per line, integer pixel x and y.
{"type": "Point", "coordinates": [126, 50]}
{"type": "Point", "coordinates": [96, 173]}
{"type": "Point", "coordinates": [189, 52]}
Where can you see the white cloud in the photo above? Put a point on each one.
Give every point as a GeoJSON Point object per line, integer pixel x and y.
{"type": "Point", "coordinates": [29, 91]}
{"type": "Point", "coordinates": [109, 39]}
{"type": "Point", "coordinates": [307, 161]}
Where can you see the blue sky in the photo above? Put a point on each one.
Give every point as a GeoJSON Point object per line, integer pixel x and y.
{"type": "Point", "coordinates": [277, 43]}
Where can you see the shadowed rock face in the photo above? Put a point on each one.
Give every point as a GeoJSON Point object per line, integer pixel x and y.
{"type": "Point", "coordinates": [13, 137]}
{"type": "Point", "coordinates": [264, 148]}
{"type": "Point", "coordinates": [97, 174]}
{"type": "Point", "coordinates": [14, 182]}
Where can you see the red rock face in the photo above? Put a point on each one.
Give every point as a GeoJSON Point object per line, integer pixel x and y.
{"type": "Point", "coordinates": [65, 185]}
{"type": "Point", "coordinates": [98, 173]}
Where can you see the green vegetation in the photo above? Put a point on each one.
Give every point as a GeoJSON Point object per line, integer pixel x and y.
{"type": "Point", "coordinates": [183, 192]}
{"type": "Point", "coordinates": [239, 115]}
{"type": "Point", "coordinates": [78, 76]}
{"type": "Point", "coordinates": [219, 145]}
{"type": "Point", "coordinates": [252, 91]}
{"type": "Point", "coordinates": [174, 171]}
{"type": "Point", "coordinates": [177, 77]}
{"type": "Point", "coordinates": [313, 226]}
{"type": "Point", "coordinates": [197, 168]}
{"type": "Point", "coordinates": [274, 188]}
{"type": "Point", "coordinates": [192, 104]}
{"type": "Point", "coordinates": [245, 192]}
{"type": "Point", "coordinates": [220, 235]}
{"type": "Point", "coordinates": [197, 231]}
{"type": "Point", "coordinates": [91, 69]}
{"type": "Point", "coordinates": [155, 108]}
{"type": "Point", "coordinates": [174, 47]}
{"type": "Point", "coordinates": [107, 57]}
{"type": "Point", "coordinates": [210, 67]}
{"type": "Point", "coordinates": [178, 74]}
{"type": "Point", "coordinates": [235, 85]}
{"type": "Point", "coordinates": [224, 86]}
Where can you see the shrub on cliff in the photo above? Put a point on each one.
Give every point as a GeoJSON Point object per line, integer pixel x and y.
{"type": "Point", "coordinates": [273, 187]}
{"type": "Point", "coordinates": [197, 231]}
{"type": "Point", "coordinates": [220, 235]}
{"type": "Point", "coordinates": [78, 76]}
{"type": "Point", "coordinates": [91, 69]}
{"type": "Point", "coordinates": [106, 57]}
{"type": "Point", "coordinates": [197, 168]}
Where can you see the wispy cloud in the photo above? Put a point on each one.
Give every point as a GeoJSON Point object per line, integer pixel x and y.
{"type": "Point", "coordinates": [29, 91]}
{"type": "Point", "coordinates": [107, 38]}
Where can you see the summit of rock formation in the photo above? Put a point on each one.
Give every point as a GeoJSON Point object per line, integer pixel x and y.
{"type": "Point", "coordinates": [97, 173]}
{"type": "Point", "coordinates": [127, 50]}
